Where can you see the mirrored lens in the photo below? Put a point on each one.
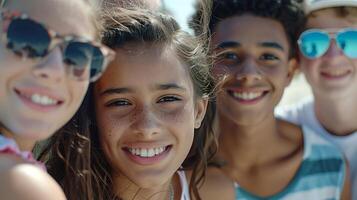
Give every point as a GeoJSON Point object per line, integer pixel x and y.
{"type": "Point", "coordinates": [25, 37]}
{"type": "Point", "coordinates": [85, 59]}
{"type": "Point", "coordinates": [314, 44]}
{"type": "Point", "coordinates": [347, 41]}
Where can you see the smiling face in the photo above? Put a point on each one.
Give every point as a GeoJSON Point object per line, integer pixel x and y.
{"type": "Point", "coordinates": [333, 75]}
{"type": "Point", "coordinates": [254, 66]}
{"type": "Point", "coordinates": [38, 97]}
{"type": "Point", "coordinates": [146, 113]}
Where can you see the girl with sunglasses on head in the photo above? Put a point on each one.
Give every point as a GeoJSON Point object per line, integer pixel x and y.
{"type": "Point", "coordinates": [49, 54]}
{"type": "Point", "coordinates": [144, 117]}
{"type": "Point", "coordinates": [328, 59]}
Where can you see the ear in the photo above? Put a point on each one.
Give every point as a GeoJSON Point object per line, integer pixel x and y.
{"type": "Point", "coordinates": [200, 111]}
{"type": "Point", "coordinates": [292, 68]}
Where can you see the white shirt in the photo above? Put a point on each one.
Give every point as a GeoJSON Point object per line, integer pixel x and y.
{"type": "Point", "coordinates": [185, 195]}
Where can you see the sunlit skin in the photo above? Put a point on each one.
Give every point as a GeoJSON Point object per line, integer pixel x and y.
{"type": "Point", "coordinates": [146, 99]}
{"type": "Point", "coordinates": [24, 121]}
{"type": "Point", "coordinates": [261, 153]}
{"type": "Point", "coordinates": [250, 63]}
{"type": "Point", "coordinates": [334, 97]}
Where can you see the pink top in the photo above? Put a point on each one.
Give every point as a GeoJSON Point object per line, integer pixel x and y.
{"type": "Point", "coordinates": [9, 146]}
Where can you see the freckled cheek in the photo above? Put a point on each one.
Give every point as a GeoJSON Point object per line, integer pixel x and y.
{"type": "Point", "coordinates": [110, 127]}
{"type": "Point", "coordinates": [180, 116]}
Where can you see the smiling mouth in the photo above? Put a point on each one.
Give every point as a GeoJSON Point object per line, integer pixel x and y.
{"type": "Point", "coordinates": [247, 96]}
{"type": "Point", "coordinates": [335, 74]}
{"type": "Point", "coordinates": [147, 152]}
{"type": "Point", "coordinates": [39, 99]}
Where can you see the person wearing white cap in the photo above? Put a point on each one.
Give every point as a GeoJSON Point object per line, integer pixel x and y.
{"type": "Point", "coordinates": [328, 59]}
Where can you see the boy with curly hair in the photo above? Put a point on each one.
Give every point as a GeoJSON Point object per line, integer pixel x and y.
{"type": "Point", "coordinates": [260, 156]}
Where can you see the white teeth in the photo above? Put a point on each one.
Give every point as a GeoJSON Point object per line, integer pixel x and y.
{"type": "Point", "coordinates": [137, 152]}
{"type": "Point", "coordinates": [247, 95]}
{"type": "Point", "coordinates": [151, 153]}
{"type": "Point", "coordinates": [144, 153]}
{"type": "Point", "coordinates": [336, 72]}
{"type": "Point", "coordinates": [43, 100]}
{"type": "Point", "coordinates": [147, 153]}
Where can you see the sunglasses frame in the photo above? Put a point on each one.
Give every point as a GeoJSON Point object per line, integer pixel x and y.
{"type": "Point", "coordinates": [331, 33]}
{"type": "Point", "coordinates": [59, 40]}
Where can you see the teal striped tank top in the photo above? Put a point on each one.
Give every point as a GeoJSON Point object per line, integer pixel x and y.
{"type": "Point", "coordinates": [320, 176]}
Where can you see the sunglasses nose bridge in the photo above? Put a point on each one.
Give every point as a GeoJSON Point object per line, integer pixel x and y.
{"type": "Point", "coordinates": [51, 66]}
{"type": "Point", "coordinates": [333, 49]}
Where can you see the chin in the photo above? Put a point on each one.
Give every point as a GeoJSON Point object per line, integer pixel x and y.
{"type": "Point", "coordinates": [34, 134]}
{"type": "Point", "coordinates": [148, 183]}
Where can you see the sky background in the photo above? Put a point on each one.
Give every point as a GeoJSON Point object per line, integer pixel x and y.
{"type": "Point", "coordinates": [181, 9]}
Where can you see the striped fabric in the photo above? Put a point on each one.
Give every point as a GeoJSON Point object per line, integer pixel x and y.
{"type": "Point", "coordinates": [320, 176]}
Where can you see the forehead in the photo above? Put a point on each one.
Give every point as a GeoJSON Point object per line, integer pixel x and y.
{"type": "Point", "coordinates": [63, 16]}
{"type": "Point", "coordinates": [249, 29]}
{"type": "Point", "coordinates": [144, 66]}
{"type": "Point", "coordinates": [327, 19]}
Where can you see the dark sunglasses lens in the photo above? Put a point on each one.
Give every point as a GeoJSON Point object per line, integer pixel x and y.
{"type": "Point", "coordinates": [26, 37]}
{"type": "Point", "coordinates": [97, 63]}
{"type": "Point", "coordinates": [314, 44]}
{"type": "Point", "coordinates": [85, 59]}
{"type": "Point", "coordinates": [347, 41]}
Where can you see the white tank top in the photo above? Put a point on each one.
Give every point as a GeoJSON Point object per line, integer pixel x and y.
{"type": "Point", "coordinates": [185, 195]}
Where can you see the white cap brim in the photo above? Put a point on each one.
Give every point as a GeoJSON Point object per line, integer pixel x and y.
{"type": "Point", "coordinates": [312, 5]}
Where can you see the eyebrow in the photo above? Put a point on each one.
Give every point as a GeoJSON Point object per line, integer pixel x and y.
{"type": "Point", "coordinates": [115, 91]}
{"type": "Point", "coordinates": [123, 90]}
{"type": "Point", "coordinates": [169, 86]}
{"type": "Point", "coordinates": [234, 44]}
{"type": "Point", "coordinates": [228, 44]}
{"type": "Point", "coordinates": [274, 45]}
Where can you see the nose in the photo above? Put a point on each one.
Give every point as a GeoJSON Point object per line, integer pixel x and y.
{"type": "Point", "coordinates": [333, 50]}
{"type": "Point", "coordinates": [51, 67]}
{"type": "Point", "coordinates": [249, 71]}
{"type": "Point", "coordinates": [145, 123]}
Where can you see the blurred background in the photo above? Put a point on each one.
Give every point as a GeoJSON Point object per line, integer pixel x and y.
{"type": "Point", "coordinates": [182, 11]}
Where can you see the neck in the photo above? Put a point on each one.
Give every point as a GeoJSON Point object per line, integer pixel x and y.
{"type": "Point", "coordinates": [336, 116]}
{"type": "Point", "coordinates": [24, 144]}
{"type": "Point", "coordinates": [245, 145]}
{"type": "Point", "coordinates": [128, 190]}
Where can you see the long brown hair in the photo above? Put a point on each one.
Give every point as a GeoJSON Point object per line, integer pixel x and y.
{"type": "Point", "coordinates": [74, 156]}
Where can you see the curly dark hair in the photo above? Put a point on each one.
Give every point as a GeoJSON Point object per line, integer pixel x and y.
{"type": "Point", "coordinates": [288, 12]}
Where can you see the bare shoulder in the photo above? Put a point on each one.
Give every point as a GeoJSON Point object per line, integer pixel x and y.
{"type": "Point", "coordinates": [291, 132]}
{"type": "Point", "coordinates": [25, 181]}
{"type": "Point", "coordinates": [216, 185]}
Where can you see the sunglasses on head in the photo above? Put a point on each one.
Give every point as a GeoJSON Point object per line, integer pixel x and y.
{"type": "Point", "coordinates": [86, 60]}
{"type": "Point", "coordinates": [314, 43]}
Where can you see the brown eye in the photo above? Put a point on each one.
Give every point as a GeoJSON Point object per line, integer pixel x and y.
{"type": "Point", "coordinates": [268, 56]}
{"type": "Point", "coordinates": [229, 56]}
{"type": "Point", "coordinates": [121, 102]}
{"type": "Point", "coordinates": [167, 99]}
